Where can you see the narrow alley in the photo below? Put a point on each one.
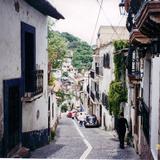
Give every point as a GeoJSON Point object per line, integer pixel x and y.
{"type": "Point", "coordinates": [80, 79]}
{"type": "Point", "coordinates": [70, 143]}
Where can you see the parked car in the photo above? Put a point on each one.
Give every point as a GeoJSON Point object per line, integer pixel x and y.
{"type": "Point", "coordinates": [91, 121]}
{"type": "Point", "coordinates": [71, 114]}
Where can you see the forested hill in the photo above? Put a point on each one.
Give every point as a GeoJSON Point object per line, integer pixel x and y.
{"type": "Point", "coordinates": [59, 44]}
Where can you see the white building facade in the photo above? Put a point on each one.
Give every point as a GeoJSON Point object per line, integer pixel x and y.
{"type": "Point", "coordinates": [23, 74]}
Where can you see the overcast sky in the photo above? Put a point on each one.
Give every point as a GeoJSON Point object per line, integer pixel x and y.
{"type": "Point", "coordinates": [80, 17]}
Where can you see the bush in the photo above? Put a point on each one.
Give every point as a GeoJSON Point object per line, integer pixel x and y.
{"type": "Point", "coordinates": [117, 94]}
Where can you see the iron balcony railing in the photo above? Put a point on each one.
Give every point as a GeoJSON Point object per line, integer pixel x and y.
{"type": "Point", "coordinates": [133, 64]}
{"type": "Point", "coordinates": [36, 84]}
{"type": "Point", "coordinates": [134, 10]}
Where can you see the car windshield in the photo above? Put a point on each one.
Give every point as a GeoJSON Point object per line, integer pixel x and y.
{"type": "Point", "coordinates": [91, 118]}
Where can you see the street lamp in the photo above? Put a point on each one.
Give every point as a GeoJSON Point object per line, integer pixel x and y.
{"type": "Point", "coordinates": [122, 7]}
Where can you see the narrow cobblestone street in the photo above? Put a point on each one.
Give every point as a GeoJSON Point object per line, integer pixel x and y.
{"type": "Point", "coordinates": [69, 144]}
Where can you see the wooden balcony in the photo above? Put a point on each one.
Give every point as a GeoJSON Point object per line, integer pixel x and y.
{"type": "Point", "coordinates": [147, 19]}
{"type": "Point", "coordinates": [137, 38]}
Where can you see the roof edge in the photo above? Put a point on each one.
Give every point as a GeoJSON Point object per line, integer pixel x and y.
{"type": "Point", "coordinates": [45, 8]}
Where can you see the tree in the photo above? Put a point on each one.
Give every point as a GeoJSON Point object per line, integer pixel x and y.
{"type": "Point", "coordinates": [82, 56]}
{"type": "Point", "coordinates": [57, 48]}
{"type": "Point", "coordinates": [61, 43]}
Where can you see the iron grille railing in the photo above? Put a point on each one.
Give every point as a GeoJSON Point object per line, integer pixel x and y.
{"type": "Point", "coordinates": [37, 84]}
{"type": "Point", "coordinates": [134, 10]}
{"type": "Point", "coordinates": [135, 5]}
{"type": "Point", "coordinates": [133, 64]}
{"type": "Point", "coordinates": [145, 120]}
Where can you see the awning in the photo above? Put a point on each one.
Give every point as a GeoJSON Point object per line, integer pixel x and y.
{"type": "Point", "coordinates": [45, 8]}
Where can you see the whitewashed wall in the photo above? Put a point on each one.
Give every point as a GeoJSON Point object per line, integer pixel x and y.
{"type": "Point", "coordinates": [146, 84]}
{"type": "Point", "coordinates": [104, 83]}
{"type": "Point", "coordinates": [54, 109]}
{"type": "Point", "coordinates": [10, 51]}
{"type": "Point", "coordinates": [108, 73]}
{"type": "Point", "coordinates": [155, 95]}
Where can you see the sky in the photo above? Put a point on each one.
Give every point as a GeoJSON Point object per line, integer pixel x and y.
{"type": "Point", "coordinates": [81, 15]}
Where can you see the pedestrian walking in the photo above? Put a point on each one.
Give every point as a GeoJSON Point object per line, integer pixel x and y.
{"type": "Point", "coordinates": [121, 129]}
{"type": "Point", "coordinates": [81, 119]}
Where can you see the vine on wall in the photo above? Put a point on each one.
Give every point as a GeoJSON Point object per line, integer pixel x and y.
{"type": "Point", "coordinates": [118, 90]}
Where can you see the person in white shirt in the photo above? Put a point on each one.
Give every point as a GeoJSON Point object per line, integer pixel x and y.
{"type": "Point", "coordinates": [81, 119]}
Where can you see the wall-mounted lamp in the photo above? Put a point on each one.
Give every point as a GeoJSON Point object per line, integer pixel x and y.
{"type": "Point", "coordinates": [122, 7]}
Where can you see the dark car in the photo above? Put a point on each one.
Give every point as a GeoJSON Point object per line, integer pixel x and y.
{"type": "Point", "coordinates": [91, 121]}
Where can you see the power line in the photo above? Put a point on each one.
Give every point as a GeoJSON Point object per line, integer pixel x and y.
{"type": "Point", "coordinates": [96, 22]}
{"type": "Point", "coordinates": [108, 19]}
{"type": "Point", "coordinates": [118, 27]}
{"type": "Point", "coordinates": [113, 28]}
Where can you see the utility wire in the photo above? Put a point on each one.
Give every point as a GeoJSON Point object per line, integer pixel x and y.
{"type": "Point", "coordinates": [107, 19]}
{"type": "Point", "coordinates": [96, 22]}
{"type": "Point", "coordinates": [118, 27]}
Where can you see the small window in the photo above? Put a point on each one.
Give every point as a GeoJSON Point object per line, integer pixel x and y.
{"type": "Point", "coordinates": [106, 61]}
{"type": "Point", "coordinates": [52, 110]}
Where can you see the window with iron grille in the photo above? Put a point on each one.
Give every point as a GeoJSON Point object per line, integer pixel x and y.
{"type": "Point", "coordinates": [32, 78]}
{"type": "Point", "coordinates": [133, 64]}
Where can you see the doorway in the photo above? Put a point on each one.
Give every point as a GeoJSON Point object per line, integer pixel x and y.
{"type": "Point", "coordinates": [12, 115]}
{"type": "Point", "coordinates": [49, 117]}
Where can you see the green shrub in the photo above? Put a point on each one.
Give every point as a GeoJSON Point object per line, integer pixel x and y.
{"type": "Point", "coordinates": [117, 94]}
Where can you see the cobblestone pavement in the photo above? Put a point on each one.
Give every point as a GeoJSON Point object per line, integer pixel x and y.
{"type": "Point", "coordinates": [68, 144]}
{"type": "Point", "coordinates": [106, 146]}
